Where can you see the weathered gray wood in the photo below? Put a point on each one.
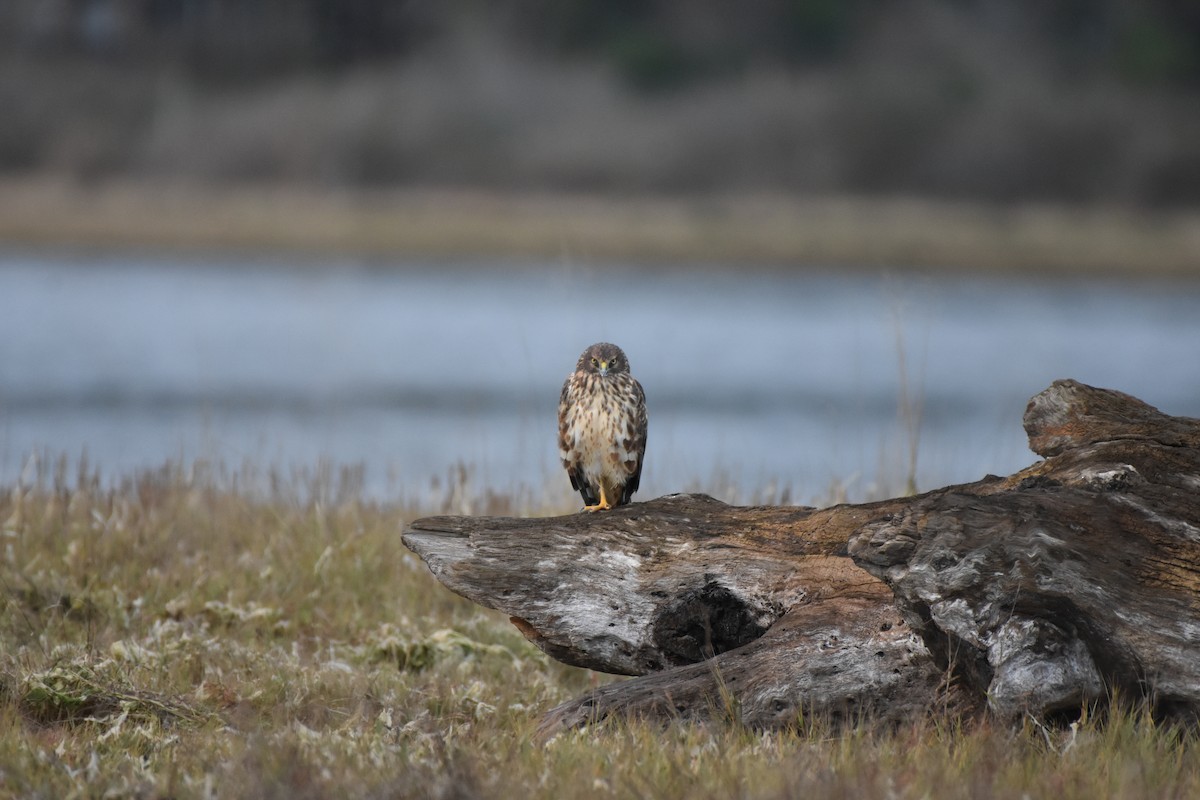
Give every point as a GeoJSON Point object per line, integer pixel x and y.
{"type": "Point", "coordinates": [668, 584]}
{"type": "Point", "coordinates": [837, 661]}
{"type": "Point", "coordinates": [647, 586]}
{"type": "Point", "coordinates": [1070, 414]}
{"type": "Point", "coordinates": [1081, 579]}
{"type": "Point", "coordinates": [1036, 592]}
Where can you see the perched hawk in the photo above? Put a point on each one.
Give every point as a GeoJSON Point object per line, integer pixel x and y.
{"type": "Point", "coordinates": [602, 428]}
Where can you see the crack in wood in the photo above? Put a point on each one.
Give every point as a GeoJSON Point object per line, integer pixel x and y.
{"type": "Point", "coordinates": [1033, 593]}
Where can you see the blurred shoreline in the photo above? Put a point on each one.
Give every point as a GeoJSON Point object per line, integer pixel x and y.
{"type": "Point", "coordinates": [721, 230]}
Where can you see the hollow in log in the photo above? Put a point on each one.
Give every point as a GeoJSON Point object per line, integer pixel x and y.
{"type": "Point", "coordinates": [1034, 593]}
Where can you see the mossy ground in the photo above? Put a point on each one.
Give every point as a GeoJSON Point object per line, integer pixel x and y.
{"type": "Point", "coordinates": [180, 636]}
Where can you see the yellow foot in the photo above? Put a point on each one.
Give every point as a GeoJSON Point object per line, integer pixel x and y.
{"type": "Point", "coordinates": [604, 504]}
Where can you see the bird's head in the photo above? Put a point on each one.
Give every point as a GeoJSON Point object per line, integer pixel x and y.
{"type": "Point", "coordinates": [602, 359]}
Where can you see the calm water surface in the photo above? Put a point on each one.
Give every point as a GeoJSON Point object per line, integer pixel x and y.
{"type": "Point", "coordinates": [752, 379]}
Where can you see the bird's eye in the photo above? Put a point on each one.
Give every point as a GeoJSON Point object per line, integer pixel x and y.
{"type": "Point", "coordinates": [595, 363]}
{"type": "Point", "coordinates": [614, 362]}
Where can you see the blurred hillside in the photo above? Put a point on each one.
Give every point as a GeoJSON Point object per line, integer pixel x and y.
{"type": "Point", "coordinates": [994, 100]}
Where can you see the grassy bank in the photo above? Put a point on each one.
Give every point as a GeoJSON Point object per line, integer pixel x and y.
{"type": "Point", "coordinates": [185, 637]}
{"type": "Point", "coordinates": [771, 231]}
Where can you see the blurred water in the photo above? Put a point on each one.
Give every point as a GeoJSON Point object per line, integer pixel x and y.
{"type": "Point", "coordinates": [778, 379]}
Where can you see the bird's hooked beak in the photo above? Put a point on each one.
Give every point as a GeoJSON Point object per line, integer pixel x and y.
{"type": "Point", "coordinates": [603, 369]}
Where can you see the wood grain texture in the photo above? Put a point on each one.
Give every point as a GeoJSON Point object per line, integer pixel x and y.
{"type": "Point", "coordinates": [1036, 592]}
{"type": "Point", "coordinates": [1081, 578]}
{"type": "Point", "coordinates": [643, 587]}
{"type": "Point", "coordinates": [844, 660]}
{"type": "Point", "coordinates": [1070, 414]}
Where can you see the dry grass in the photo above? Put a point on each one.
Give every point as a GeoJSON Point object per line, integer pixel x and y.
{"type": "Point", "coordinates": [742, 229]}
{"type": "Point", "coordinates": [188, 636]}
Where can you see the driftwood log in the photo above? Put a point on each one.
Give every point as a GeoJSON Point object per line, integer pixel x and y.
{"type": "Point", "coordinates": [1037, 593]}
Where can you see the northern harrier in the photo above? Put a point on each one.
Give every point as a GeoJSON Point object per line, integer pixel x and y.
{"type": "Point", "coordinates": [602, 428]}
